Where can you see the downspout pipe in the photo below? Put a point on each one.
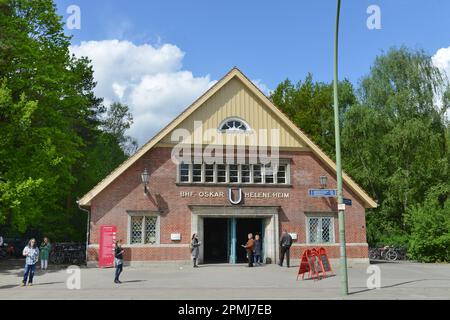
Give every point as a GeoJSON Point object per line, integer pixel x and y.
{"type": "Point", "coordinates": [88, 229]}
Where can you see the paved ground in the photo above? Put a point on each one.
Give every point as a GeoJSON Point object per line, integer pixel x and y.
{"type": "Point", "coordinates": [398, 281]}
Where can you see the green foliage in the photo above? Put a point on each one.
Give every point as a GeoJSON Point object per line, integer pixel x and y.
{"type": "Point", "coordinates": [310, 106]}
{"type": "Point", "coordinates": [395, 140]}
{"type": "Point", "coordinates": [430, 226]}
{"type": "Point", "coordinates": [50, 125]}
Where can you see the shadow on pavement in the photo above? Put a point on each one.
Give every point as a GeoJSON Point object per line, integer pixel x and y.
{"type": "Point", "coordinates": [397, 285]}
{"type": "Point", "coordinates": [133, 281]}
{"type": "Point", "coordinates": [10, 286]}
{"type": "Point", "coordinates": [17, 266]}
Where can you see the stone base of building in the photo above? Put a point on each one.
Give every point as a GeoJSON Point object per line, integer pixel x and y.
{"type": "Point", "coordinates": [335, 263]}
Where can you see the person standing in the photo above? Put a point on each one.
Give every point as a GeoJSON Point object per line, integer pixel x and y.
{"type": "Point", "coordinates": [31, 252]}
{"type": "Point", "coordinates": [250, 246]}
{"type": "Point", "coordinates": [195, 249]}
{"type": "Point", "coordinates": [118, 260]}
{"type": "Point", "coordinates": [258, 250]}
{"type": "Point", "coordinates": [44, 251]}
{"type": "Point", "coordinates": [285, 246]}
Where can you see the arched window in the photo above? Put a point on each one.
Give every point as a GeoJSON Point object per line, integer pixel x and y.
{"type": "Point", "coordinates": [234, 125]}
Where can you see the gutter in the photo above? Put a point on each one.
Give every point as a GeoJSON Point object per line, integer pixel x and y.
{"type": "Point", "coordinates": [88, 229]}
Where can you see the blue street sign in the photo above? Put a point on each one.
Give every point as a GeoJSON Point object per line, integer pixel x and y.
{"type": "Point", "coordinates": [323, 193]}
{"type": "Point", "coordinates": [347, 202]}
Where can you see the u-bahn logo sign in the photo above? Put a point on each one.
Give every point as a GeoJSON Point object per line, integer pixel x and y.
{"type": "Point", "coordinates": [238, 197]}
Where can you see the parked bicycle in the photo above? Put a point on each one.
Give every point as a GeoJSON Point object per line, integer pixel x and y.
{"type": "Point", "coordinates": [68, 253]}
{"type": "Point", "coordinates": [387, 253]}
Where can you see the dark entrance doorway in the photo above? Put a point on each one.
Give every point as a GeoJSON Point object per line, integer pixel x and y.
{"type": "Point", "coordinates": [215, 240]}
{"type": "Point", "coordinates": [244, 226]}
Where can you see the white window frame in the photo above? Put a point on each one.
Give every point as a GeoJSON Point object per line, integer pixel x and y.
{"type": "Point", "coordinates": [245, 123]}
{"type": "Point", "coordinates": [320, 217]}
{"type": "Point", "coordinates": [144, 214]}
{"type": "Point", "coordinates": [283, 162]}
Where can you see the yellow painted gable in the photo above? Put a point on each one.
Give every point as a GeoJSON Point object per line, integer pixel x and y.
{"type": "Point", "coordinates": [235, 100]}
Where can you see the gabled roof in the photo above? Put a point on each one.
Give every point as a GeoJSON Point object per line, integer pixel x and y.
{"type": "Point", "coordinates": [235, 72]}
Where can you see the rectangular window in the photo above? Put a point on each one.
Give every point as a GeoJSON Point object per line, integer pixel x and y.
{"type": "Point", "coordinates": [234, 173]}
{"type": "Point", "coordinates": [184, 172]}
{"type": "Point", "coordinates": [245, 173]}
{"type": "Point", "coordinates": [268, 174]}
{"type": "Point", "coordinates": [221, 173]}
{"type": "Point", "coordinates": [144, 229]}
{"type": "Point", "coordinates": [136, 230]}
{"type": "Point", "coordinates": [257, 176]}
{"type": "Point", "coordinates": [320, 230]}
{"type": "Point", "coordinates": [150, 230]}
{"type": "Point", "coordinates": [209, 173]}
{"type": "Point", "coordinates": [281, 174]}
{"type": "Point", "coordinates": [197, 173]}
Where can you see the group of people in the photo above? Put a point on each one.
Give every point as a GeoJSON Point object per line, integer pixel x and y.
{"type": "Point", "coordinates": [253, 248]}
{"type": "Point", "coordinates": [33, 254]}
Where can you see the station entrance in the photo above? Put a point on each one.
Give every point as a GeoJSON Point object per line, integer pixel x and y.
{"type": "Point", "coordinates": [223, 238]}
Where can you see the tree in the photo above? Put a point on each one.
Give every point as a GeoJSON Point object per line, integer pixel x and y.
{"type": "Point", "coordinates": [394, 141]}
{"type": "Point", "coordinates": [50, 124]}
{"type": "Point", "coordinates": [119, 119]}
{"type": "Point", "coordinates": [429, 223]}
{"type": "Point", "coordinates": [310, 106]}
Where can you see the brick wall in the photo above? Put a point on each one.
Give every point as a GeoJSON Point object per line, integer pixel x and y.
{"type": "Point", "coordinates": [126, 193]}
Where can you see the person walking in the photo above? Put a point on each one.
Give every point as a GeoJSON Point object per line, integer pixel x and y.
{"type": "Point", "coordinates": [250, 246]}
{"type": "Point", "coordinates": [118, 260]}
{"type": "Point", "coordinates": [44, 253]}
{"type": "Point", "coordinates": [195, 249]}
{"type": "Point", "coordinates": [31, 252]}
{"type": "Point", "coordinates": [258, 250]}
{"type": "Point", "coordinates": [285, 246]}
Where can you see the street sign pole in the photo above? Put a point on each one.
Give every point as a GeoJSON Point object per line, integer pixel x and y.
{"type": "Point", "coordinates": [341, 217]}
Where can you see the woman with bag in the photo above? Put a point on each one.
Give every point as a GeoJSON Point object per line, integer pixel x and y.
{"type": "Point", "coordinates": [118, 260]}
{"type": "Point", "coordinates": [195, 250]}
{"type": "Point", "coordinates": [31, 252]}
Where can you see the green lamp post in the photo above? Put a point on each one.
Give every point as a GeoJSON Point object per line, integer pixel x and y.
{"type": "Point", "coordinates": [341, 216]}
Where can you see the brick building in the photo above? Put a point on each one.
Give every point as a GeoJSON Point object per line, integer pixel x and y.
{"type": "Point", "coordinates": [222, 201]}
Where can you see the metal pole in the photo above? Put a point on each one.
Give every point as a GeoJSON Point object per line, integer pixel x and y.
{"type": "Point", "coordinates": [341, 217]}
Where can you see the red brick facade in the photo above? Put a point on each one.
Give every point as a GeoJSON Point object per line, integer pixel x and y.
{"type": "Point", "coordinates": [126, 194]}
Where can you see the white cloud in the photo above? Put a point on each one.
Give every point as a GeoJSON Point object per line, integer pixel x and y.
{"type": "Point", "coordinates": [148, 78]}
{"type": "Point", "coordinates": [442, 60]}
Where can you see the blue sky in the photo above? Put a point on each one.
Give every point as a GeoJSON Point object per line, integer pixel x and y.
{"type": "Point", "coordinates": [268, 40]}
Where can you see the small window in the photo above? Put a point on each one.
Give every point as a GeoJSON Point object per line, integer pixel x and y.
{"type": "Point", "coordinates": [150, 230]}
{"type": "Point", "coordinates": [143, 229]}
{"type": "Point", "coordinates": [234, 125]}
{"type": "Point", "coordinates": [268, 174]}
{"type": "Point", "coordinates": [245, 173]}
{"type": "Point", "coordinates": [221, 173]}
{"type": "Point", "coordinates": [321, 230]}
{"type": "Point", "coordinates": [234, 173]}
{"type": "Point", "coordinates": [257, 177]}
{"type": "Point", "coordinates": [281, 174]}
{"type": "Point", "coordinates": [184, 172]}
{"type": "Point", "coordinates": [209, 173]}
{"type": "Point", "coordinates": [136, 230]}
{"type": "Point", "coordinates": [197, 173]}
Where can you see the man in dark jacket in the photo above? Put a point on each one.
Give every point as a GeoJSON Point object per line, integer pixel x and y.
{"type": "Point", "coordinates": [285, 246]}
{"type": "Point", "coordinates": [258, 250]}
